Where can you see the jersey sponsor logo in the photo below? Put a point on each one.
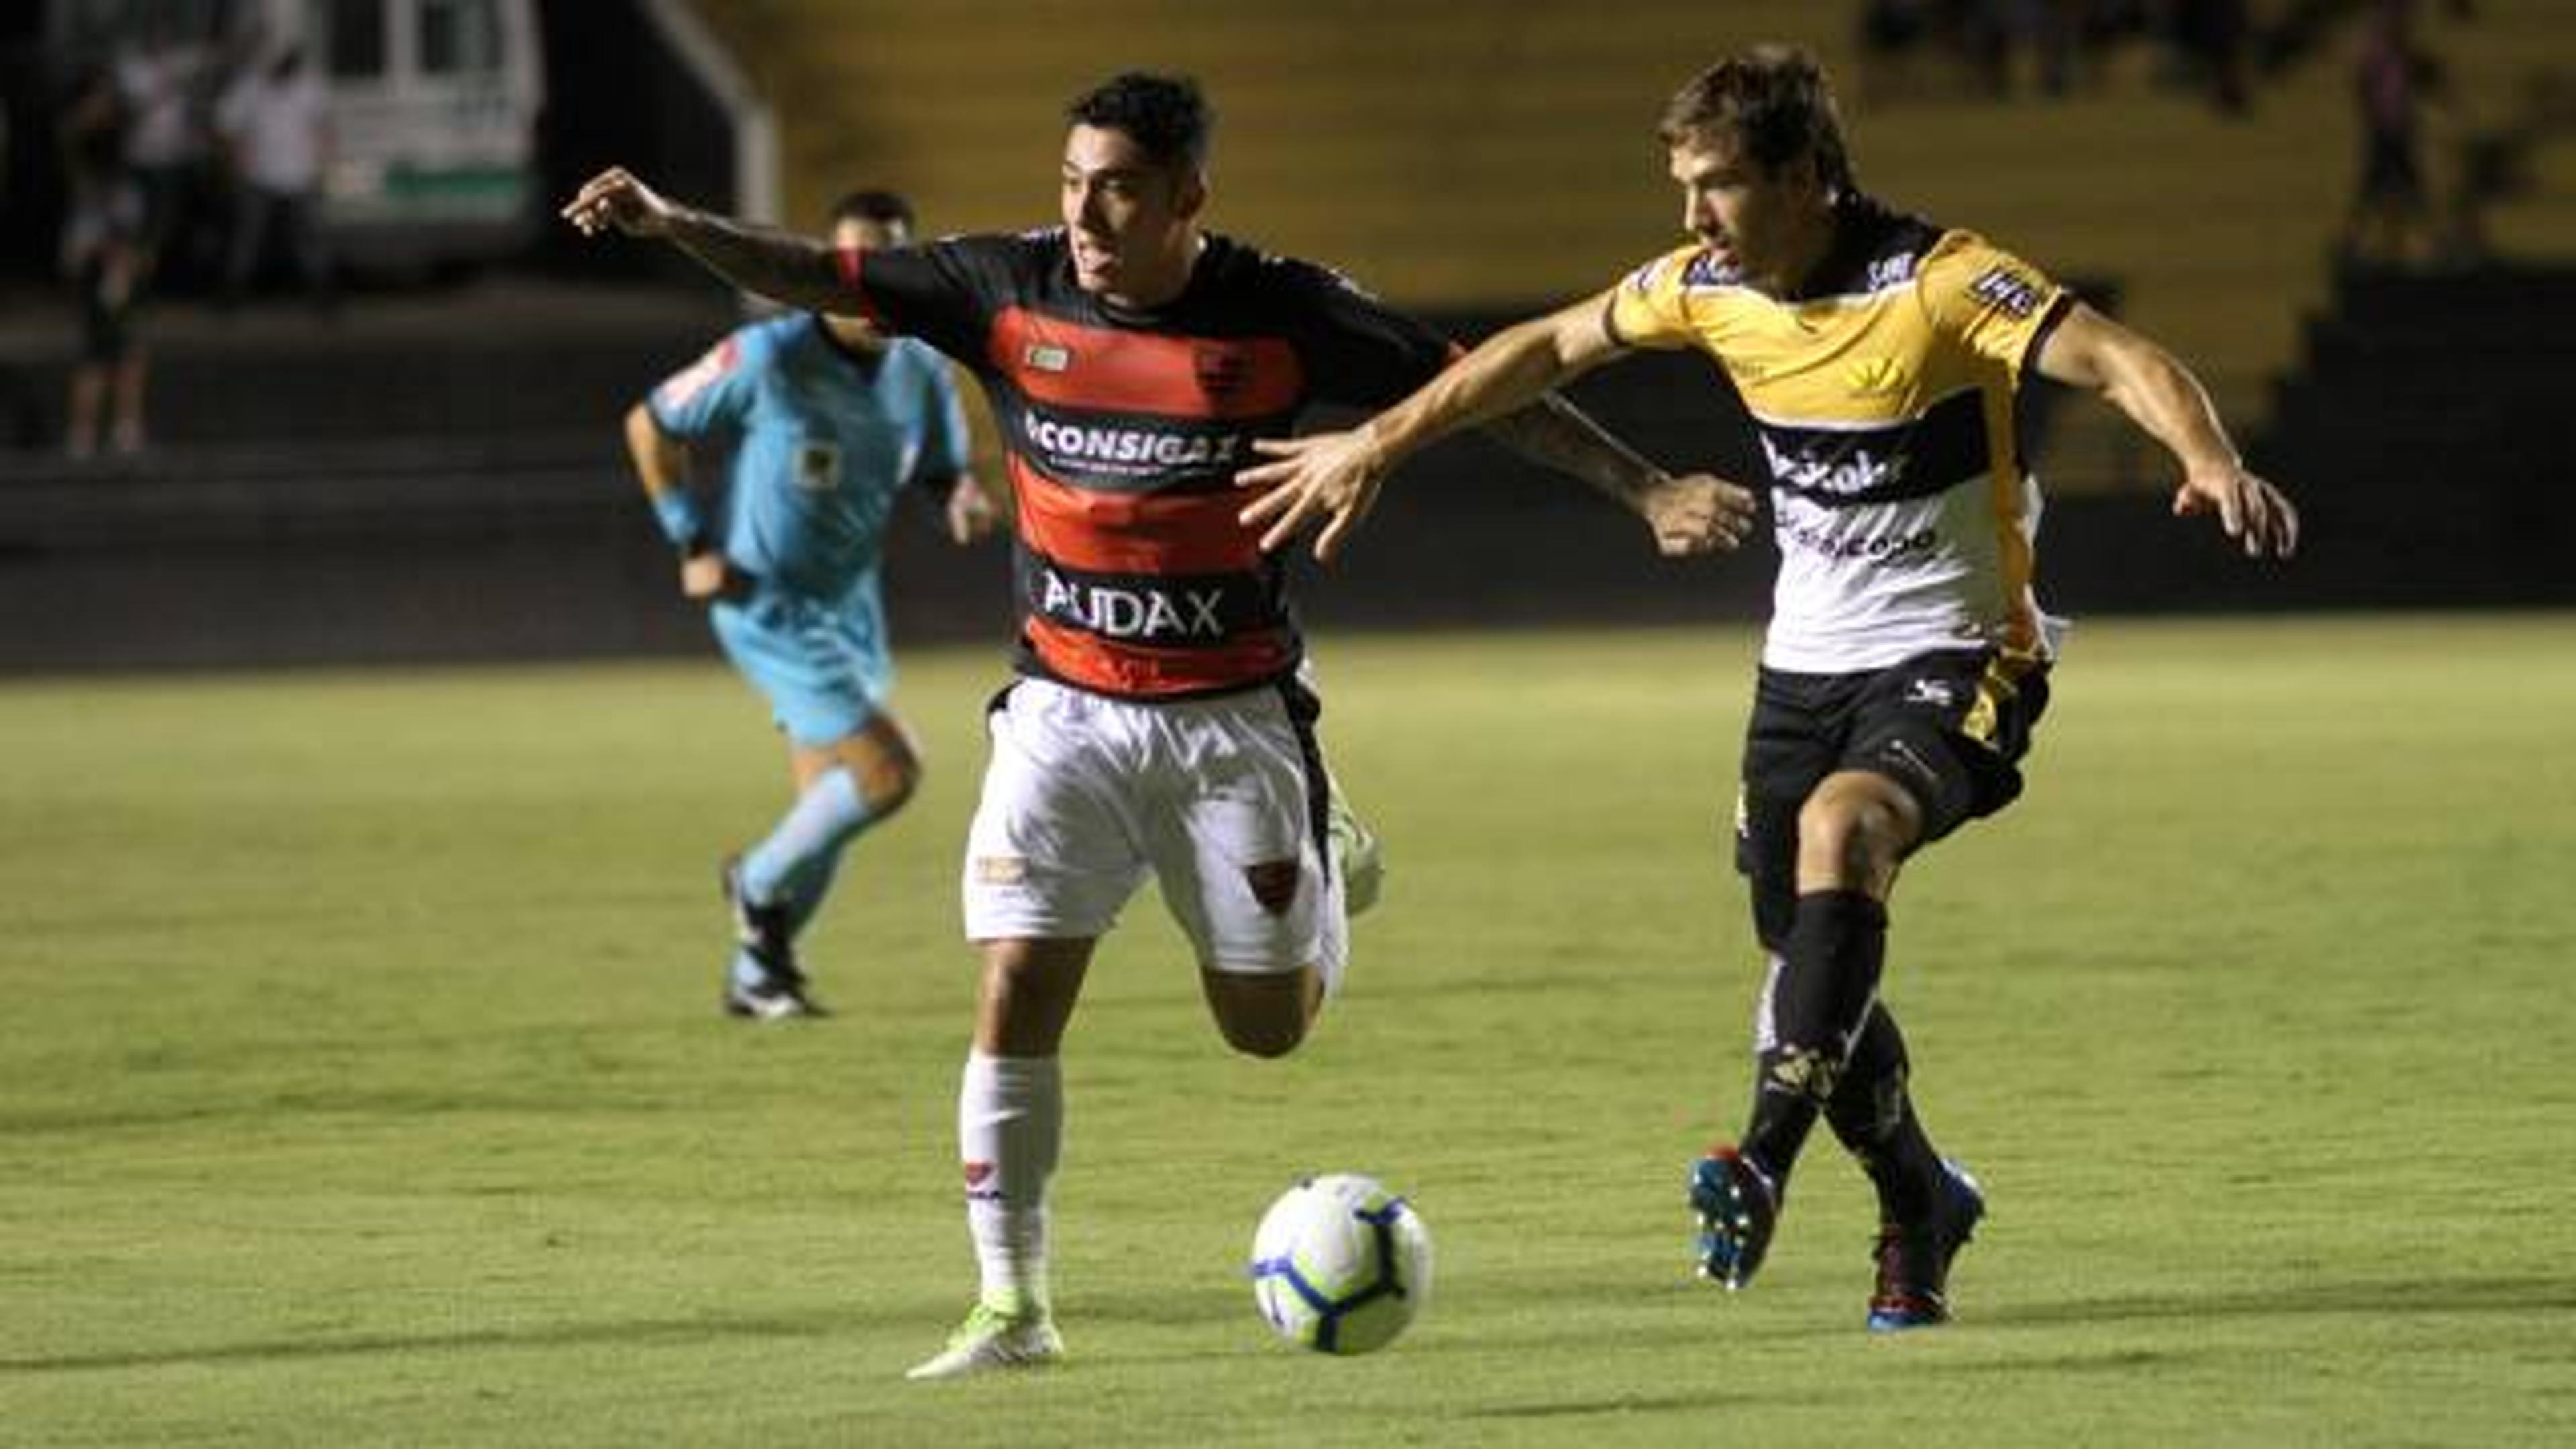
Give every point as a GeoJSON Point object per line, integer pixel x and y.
{"type": "Point", "coordinates": [684, 386]}
{"type": "Point", "coordinates": [1145, 611]}
{"type": "Point", "coordinates": [1862, 462]}
{"type": "Point", "coordinates": [1878, 548]}
{"type": "Point", "coordinates": [1046, 357]}
{"type": "Point", "coordinates": [1854, 470]}
{"type": "Point", "coordinates": [1888, 272]}
{"type": "Point", "coordinates": [2007, 290]}
{"type": "Point", "coordinates": [1071, 447]}
{"type": "Point", "coordinates": [1642, 281]}
{"type": "Point", "coordinates": [1706, 270]}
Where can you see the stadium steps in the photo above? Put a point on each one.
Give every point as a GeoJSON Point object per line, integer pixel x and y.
{"type": "Point", "coordinates": [2431, 406]}
{"type": "Point", "coordinates": [1497, 156]}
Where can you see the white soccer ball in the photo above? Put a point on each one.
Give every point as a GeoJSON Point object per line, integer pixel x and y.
{"type": "Point", "coordinates": [1340, 1265]}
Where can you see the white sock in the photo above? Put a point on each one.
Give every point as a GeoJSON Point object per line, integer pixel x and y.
{"type": "Point", "coordinates": [1010, 1130]}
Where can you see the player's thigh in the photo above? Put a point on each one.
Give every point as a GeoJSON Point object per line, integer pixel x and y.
{"type": "Point", "coordinates": [1239, 854]}
{"type": "Point", "coordinates": [1791, 741]}
{"type": "Point", "coordinates": [1951, 729]}
{"type": "Point", "coordinates": [1053, 851]}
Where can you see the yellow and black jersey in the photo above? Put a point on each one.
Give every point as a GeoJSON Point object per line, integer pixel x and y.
{"type": "Point", "coordinates": [1883, 395]}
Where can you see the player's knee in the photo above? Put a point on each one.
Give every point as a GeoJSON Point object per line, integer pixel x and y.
{"type": "Point", "coordinates": [1263, 1016]}
{"type": "Point", "coordinates": [891, 787]}
{"type": "Point", "coordinates": [1273, 1035]}
{"type": "Point", "coordinates": [1850, 834]}
{"type": "Point", "coordinates": [887, 776]}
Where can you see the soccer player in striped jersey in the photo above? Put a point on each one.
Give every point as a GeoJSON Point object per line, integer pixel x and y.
{"type": "Point", "coordinates": [1907, 658]}
{"type": "Point", "coordinates": [1160, 724]}
{"type": "Point", "coordinates": [824, 422]}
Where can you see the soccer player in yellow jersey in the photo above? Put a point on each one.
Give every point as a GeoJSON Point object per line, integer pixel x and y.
{"type": "Point", "coordinates": [1907, 658]}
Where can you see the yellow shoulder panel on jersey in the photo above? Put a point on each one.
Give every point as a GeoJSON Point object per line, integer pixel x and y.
{"type": "Point", "coordinates": [1648, 310]}
{"type": "Point", "coordinates": [1987, 298]}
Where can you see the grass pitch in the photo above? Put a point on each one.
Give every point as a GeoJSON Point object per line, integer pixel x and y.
{"type": "Point", "coordinates": [364, 1083]}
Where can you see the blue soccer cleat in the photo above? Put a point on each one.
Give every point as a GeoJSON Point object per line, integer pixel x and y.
{"type": "Point", "coordinates": [1914, 1259]}
{"type": "Point", "coordinates": [1737, 1206]}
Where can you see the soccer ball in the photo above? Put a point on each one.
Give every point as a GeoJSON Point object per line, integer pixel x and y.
{"type": "Point", "coordinates": [1340, 1265]}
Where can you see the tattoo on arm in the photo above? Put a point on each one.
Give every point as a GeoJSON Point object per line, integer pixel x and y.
{"type": "Point", "coordinates": [1560, 435]}
{"type": "Point", "coordinates": [791, 269]}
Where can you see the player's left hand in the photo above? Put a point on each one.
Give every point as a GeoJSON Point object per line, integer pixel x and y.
{"type": "Point", "coordinates": [1330, 476]}
{"type": "Point", "coordinates": [971, 513]}
{"type": "Point", "coordinates": [1697, 514]}
{"type": "Point", "coordinates": [2253, 511]}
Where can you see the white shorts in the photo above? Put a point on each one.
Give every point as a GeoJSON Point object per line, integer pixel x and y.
{"type": "Point", "coordinates": [1220, 799]}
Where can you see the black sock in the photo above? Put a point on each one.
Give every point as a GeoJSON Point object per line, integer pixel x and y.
{"type": "Point", "coordinates": [1819, 997]}
{"type": "Point", "coordinates": [1873, 1116]}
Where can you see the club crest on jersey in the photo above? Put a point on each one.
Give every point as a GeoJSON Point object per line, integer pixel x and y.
{"type": "Point", "coordinates": [1273, 884]}
{"type": "Point", "coordinates": [1870, 376]}
{"type": "Point", "coordinates": [1046, 357]}
{"type": "Point", "coordinates": [1222, 368]}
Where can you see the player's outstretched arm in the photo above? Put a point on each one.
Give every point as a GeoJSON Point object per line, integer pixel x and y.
{"type": "Point", "coordinates": [1333, 478]}
{"type": "Point", "coordinates": [2159, 394]}
{"type": "Point", "coordinates": [791, 269]}
{"type": "Point", "coordinates": [1697, 514]}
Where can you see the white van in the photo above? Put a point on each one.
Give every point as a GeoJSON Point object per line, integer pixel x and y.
{"type": "Point", "coordinates": [434, 107]}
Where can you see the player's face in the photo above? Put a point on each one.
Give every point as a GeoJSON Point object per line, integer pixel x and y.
{"type": "Point", "coordinates": [1765, 223]}
{"type": "Point", "coordinates": [1132, 225]}
{"type": "Point", "coordinates": [862, 234]}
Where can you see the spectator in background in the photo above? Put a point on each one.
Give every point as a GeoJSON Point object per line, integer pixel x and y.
{"type": "Point", "coordinates": [275, 126]}
{"type": "Point", "coordinates": [162, 82]}
{"type": "Point", "coordinates": [2391, 218]}
{"type": "Point", "coordinates": [2210, 43]}
{"type": "Point", "coordinates": [102, 252]}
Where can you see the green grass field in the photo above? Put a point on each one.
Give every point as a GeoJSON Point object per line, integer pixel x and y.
{"type": "Point", "coordinates": [363, 1082]}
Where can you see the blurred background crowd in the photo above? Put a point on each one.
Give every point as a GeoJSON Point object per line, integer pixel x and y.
{"type": "Point", "coordinates": [284, 316]}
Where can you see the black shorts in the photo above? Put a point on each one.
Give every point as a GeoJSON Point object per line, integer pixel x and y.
{"type": "Point", "coordinates": [1949, 727]}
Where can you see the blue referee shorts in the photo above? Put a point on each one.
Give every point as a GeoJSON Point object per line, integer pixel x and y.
{"type": "Point", "coordinates": [822, 663]}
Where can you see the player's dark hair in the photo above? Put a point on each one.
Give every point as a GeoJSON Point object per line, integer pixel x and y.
{"type": "Point", "coordinates": [1167, 116]}
{"type": "Point", "coordinates": [885, 208]}
{"type": "Point", "coordinates": [1773, 103]}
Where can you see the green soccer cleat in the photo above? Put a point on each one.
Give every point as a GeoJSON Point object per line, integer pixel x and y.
{"type": "Point", "coordinates": [1356, 854]}
{"type": "Point", "coordinates": [992, 1339]}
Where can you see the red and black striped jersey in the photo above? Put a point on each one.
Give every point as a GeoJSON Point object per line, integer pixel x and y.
{"type": "Point", "coordinates": [1125, 431]}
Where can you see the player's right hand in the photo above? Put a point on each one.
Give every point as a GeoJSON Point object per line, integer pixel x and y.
{"type": "Point", "coordinates": [703, 576]}
{"type": "Point", "coordinates": [615, 198]}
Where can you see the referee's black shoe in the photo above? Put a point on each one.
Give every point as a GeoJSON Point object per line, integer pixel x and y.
{"type": "Point", "coordinates": [763, 982]}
